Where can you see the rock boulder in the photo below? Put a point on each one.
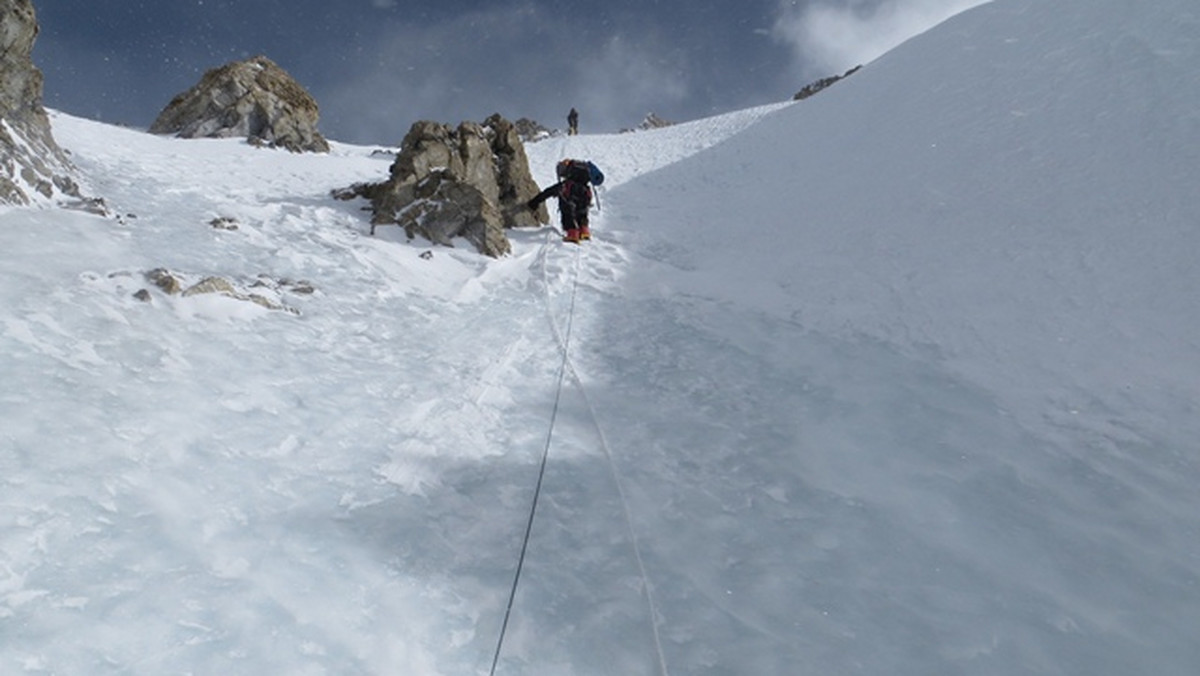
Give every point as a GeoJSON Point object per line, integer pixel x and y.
{"type": "Point", "coordinates": [471, 182]}
{"type": "Point", "coordinates": [255, 99]}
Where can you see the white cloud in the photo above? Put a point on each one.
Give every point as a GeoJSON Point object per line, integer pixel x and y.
{"type": "Point", "coordinates": [624, 73]}
{"type": "Point", "coordinates": [829, 39]}
{"type": "Point", "coordinates": [519, 61]}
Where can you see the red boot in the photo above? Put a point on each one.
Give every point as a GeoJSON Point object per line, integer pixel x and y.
{"type": "Point", "coordinates": [584, 233]}
{"type": "Point", "coordinates": [572, 235]}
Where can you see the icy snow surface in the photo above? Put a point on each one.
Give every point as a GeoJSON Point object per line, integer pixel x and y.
{"type": "Point", "coordinates": [902, 379]}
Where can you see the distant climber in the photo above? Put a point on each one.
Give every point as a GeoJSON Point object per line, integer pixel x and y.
{"type": "Point", "coordinates": [572, 122]}
{"type": "Point", "coordinates": [574, 193]}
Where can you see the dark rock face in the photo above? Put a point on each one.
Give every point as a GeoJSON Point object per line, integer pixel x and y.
{"type": "Point", "coordinates": [825, 82]}
{"type": "Point", "coordinates": [254, 99]}
{"type": "Point", "coordinates": [21, 87]}
{"type": "Point", "coordinates": [532, 131]}
{"type": "Point", "coordinates": [32, 166]}
{"type": "Point", "coordinates": [471, 182]}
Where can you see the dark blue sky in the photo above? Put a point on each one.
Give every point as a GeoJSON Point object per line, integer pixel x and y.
{"type": "Point", "coordinates": [375, 66]}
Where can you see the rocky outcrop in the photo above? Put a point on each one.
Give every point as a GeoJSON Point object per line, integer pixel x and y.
{"type": "Point", "coordinates": [532, 131]}
{"type": "Point", "coordinates": [263, 291]}
{"type": "Point", "coordinates": [651, 121]}
{"type": "Point", "coordinates": [254, 99]}
{"type": "Point", "coordinates": [825, 82]}
{"type": "Point", "coordinates": [32, 166]}
{"type": "Point", "coordinates": [470, 182]}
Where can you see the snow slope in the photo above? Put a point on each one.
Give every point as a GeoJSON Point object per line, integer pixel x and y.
{"type": "Point", "coordinates": [969, 273]}
{"type": "Point", "coordinates": [900, 379]}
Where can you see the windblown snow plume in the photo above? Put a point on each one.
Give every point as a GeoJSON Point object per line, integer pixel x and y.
{"type": "Point", "coordinates": [832, 38]}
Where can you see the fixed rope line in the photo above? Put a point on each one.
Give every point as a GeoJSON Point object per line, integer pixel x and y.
{"type": "Point", "coordinates": [537, 491]}
{"type": "Point", "coordinates": [647, 588]}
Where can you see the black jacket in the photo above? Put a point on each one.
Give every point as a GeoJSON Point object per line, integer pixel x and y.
{"type": "Point", "coordinates": [571, 195]}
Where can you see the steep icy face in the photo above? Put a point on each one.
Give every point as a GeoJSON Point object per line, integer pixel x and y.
{"type": "Point", "coordinates": [952, 304]}
{"type": "Point", "coordinates": [1025, 162]}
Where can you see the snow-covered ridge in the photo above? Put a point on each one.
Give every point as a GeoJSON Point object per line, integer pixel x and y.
{"type": "Point", "coordinates": [626, 156]}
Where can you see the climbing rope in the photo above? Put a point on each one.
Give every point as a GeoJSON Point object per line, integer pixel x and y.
{"type": "Point", "coordinates": [637, 549]}
{"type": "Point", "coordinates": [565, 367]}
{"type": "Point", "coordinates": [647, 589]}
{"type": "Point", "coordinates": [537, 491]}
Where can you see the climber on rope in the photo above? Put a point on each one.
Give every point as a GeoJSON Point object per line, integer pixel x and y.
{"type": "Point", "coordinates": [574, 193]}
